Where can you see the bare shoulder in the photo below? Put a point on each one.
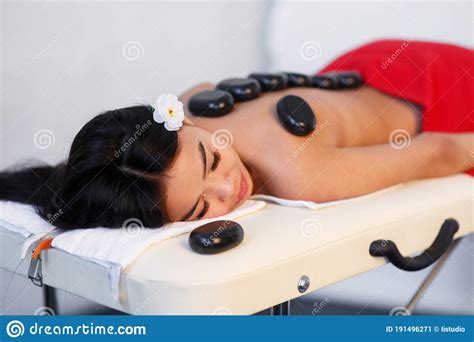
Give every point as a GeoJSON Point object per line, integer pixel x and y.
{"type": "Point", "coordinates": [307, 174]}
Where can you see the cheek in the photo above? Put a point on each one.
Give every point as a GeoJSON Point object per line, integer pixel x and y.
{"type": "Point", "coordinates": [230, 158]}
{"type": "Point", "coordinates": [218, 210]}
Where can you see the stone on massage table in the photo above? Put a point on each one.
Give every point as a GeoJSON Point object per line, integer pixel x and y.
{"type": "Point", "coordinates": [216, 237]}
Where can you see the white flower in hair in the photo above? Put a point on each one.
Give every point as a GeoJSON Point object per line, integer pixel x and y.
{"type": "Point", "coordinates": [169, 109]}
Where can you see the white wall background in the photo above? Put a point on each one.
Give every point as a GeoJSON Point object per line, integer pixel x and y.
{"type": "Point", "coordinates": [336, 26]}
{"type": "Point", "coordinates": [64, 62]}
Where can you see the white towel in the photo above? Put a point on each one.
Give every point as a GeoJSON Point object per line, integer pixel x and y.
{"type": "Point", "coordinates": [117, 248]}
{"type": "Point", "coordinates": [320, 205]}
{"type": "Point", "coordinates": [112, 248]}
{"type": "Point", "coordinates": [23, 219]}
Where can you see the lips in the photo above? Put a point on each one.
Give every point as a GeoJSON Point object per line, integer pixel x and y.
{"type": "Point", "coordinates": [242, 189]}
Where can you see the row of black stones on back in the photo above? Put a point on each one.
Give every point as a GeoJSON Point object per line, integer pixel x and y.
{"type": "Point", "coordinates": [295, 114]}
{"type": "Point", "coordinates": [214, 103]}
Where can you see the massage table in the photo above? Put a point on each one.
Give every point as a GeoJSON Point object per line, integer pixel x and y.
{"type": "Point", "coordinates": [286, 253]}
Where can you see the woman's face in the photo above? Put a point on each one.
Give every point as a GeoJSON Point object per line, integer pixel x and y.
{"type": "Point", "coordinates": [205, 181]}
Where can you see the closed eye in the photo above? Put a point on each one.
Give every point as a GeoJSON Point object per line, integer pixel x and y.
{"type": "Point", "coordinates": [215, 164]}
{"type": "Point", "coordinates": [217, 159]}
{"type": "Point", "coordinates": [204, 210]}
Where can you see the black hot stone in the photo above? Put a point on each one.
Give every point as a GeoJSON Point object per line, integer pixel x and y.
{"type": "Point", "coordinates": [337, 80]}
{"type": "Point", "coordinates": [270, 82]}
{"type": "Point", "coordinates": [211, 103]}
{"type": "Point", "coordinates": [349, 79]}
{"type": "Point", "coordinates": [298, 80]}
{"type": "Point", "coordinates": [242, 89]}
{"type": "Point", "coordinates": [296, 115]}
{"type": "Point", "coordinates": [216, 237]}
{"type": "Point", "coordinates": [325, 81]}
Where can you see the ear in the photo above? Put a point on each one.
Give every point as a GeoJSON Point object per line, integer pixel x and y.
{"type": "Point", "coordinates": [188, 121]}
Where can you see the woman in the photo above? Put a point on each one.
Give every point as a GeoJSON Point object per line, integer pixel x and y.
{"type": "Point", "coordinates": [123, 164]}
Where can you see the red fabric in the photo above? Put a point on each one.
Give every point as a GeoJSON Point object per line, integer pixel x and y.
{"type": "Point", "coordinates": [438, 76]}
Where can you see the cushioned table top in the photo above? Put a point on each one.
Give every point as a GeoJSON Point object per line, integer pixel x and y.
{"type": "Point", "coordinates": [281, 245]}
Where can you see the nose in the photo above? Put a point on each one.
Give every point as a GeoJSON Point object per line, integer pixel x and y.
{"type": "Point", "coordinates": [223, 188]}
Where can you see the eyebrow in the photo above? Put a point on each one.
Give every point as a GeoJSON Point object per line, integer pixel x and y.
{"type": "Point", "coordinates": [202, 150]}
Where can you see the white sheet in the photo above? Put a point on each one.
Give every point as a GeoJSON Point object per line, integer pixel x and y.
{"type": "Point", "coordinates": [320, 205]}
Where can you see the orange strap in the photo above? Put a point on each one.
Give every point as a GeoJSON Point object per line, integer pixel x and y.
{"type": "Point", "coordinates": [45, 244]}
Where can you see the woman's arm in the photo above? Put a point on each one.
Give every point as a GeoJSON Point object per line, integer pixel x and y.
{"type": "Point", "coordinates": [354, 171]}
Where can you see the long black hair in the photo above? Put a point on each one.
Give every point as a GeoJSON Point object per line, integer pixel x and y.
{"type": "Point", "coordinates": [115, 172]}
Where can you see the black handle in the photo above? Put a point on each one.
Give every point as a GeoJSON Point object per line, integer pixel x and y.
{"type": "Point", "coordinates": [388, 249]}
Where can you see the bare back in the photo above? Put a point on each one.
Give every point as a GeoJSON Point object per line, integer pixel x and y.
{"type": "Point", "coordinates": [345, 118]}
